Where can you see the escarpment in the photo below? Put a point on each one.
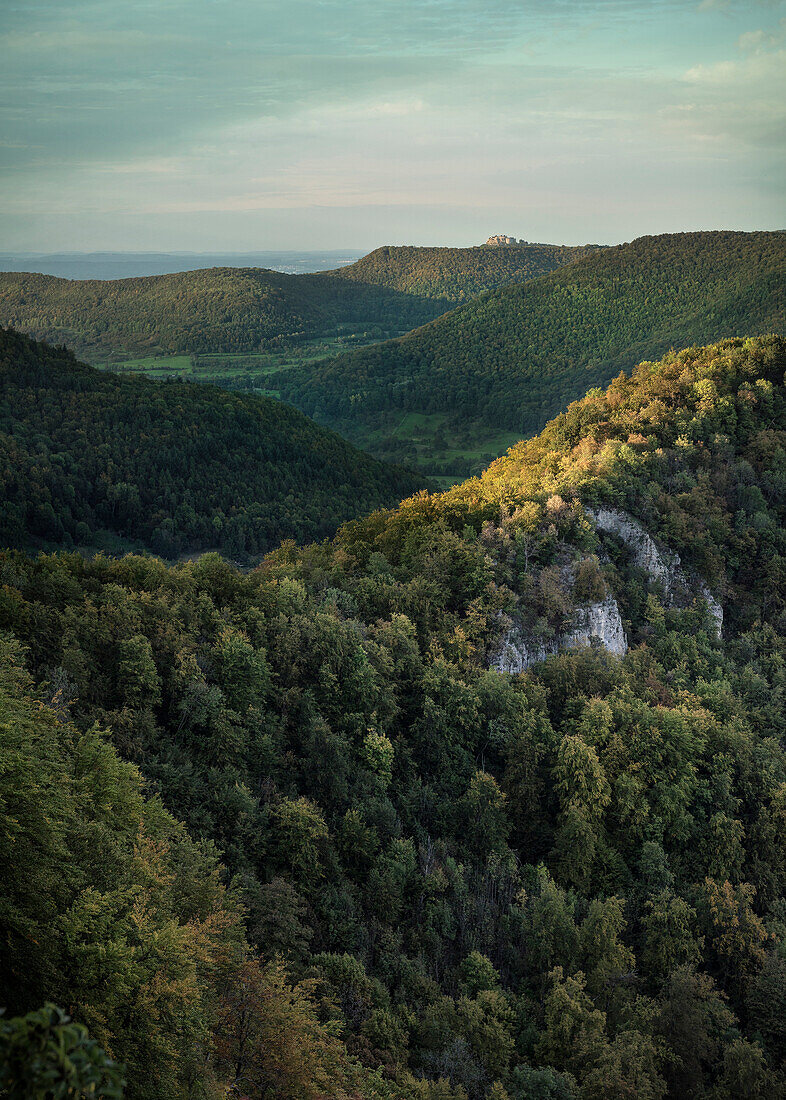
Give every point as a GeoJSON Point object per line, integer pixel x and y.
{"type": "Point", "coordinates": [598, 621]}
{"type": "Point", "coordinates": [662, 567]}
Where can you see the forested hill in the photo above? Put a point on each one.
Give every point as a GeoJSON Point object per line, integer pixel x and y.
{"type": "Point", "coordinates": [457, 884]}
{"type": "Point", "coordinates": [214, 310]}
{"type": "Point", "coordinates": [515, 356]}
{"type": "Point", "coordinates": [454, 275]}
{"type": "Point", "coordinates": [88, 458]}
{"type": "Point", "coordinates": [244, 310]}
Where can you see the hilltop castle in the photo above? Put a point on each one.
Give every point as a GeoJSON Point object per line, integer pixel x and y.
{"type": "Point", "coordinates": [501, 238]}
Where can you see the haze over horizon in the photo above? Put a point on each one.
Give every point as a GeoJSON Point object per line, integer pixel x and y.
{"type": "Point", "coordinates": [328, 124]}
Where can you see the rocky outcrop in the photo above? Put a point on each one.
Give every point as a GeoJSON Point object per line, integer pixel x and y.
{"type": "Point", "coordinates": [600, 623]}
{"type": "Point", "coordinates": [659, 565]}
{"type": "Point", "coordinates": [596, 624]}
{"type": "Point", "coordinates": [662, 566]}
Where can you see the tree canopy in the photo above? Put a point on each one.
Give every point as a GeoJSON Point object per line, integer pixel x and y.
{"type": "Point", "coordinates": [88, 458]}
{"type": "Point", "coordinates": [442, 882]}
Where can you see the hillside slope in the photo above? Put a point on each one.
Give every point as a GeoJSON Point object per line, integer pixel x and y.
{"type": "Point", "coordinates": [454, 275]}
{"type": "Point", "coordinates": [241, 310]}
{"type": "Point", "coordinates": [513, 357]}
{"type": "Point", "coordinates": [86, 455]}
{"type": "Point", "coordinates": [214, 310]}
{"type": "Point", "coordinates": [568, 883]}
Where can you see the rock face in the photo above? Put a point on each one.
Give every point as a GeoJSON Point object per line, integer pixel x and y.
{"type": "Point", "coordinates": [713, 606]}
{"type": "Point", "coordinates": [597, 623]}
{"type": "Point", "coordinates": [600, 623]}
{"type": "Point", "coordinates": [661, 566]}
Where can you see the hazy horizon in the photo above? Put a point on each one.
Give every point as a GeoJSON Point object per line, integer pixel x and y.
{"type": "Point", "coordinates": [135, 263]}
{"type": "Point", "coordinates": [308, 124]}
{"type": "Point", "coordinates": [131, 264]}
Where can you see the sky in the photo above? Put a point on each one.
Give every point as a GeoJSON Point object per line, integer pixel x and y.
{"type": "Point", "coordinates": [306, 124]}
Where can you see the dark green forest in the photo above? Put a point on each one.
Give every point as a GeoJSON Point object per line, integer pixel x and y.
{"type": "Point", "coordinates": [400, 873]}
{"type": "Point", "coordinates": [515, 356]}
{"type": "Point", "coordinates": [454, 275]}
{"type": "Point", "coordinates": [246, 310]}
{"type": "Point", "coordinates": [88, 458]}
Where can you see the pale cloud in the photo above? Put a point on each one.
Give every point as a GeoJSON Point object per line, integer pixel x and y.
{"type": "Point", "coordinates": [30, 44]}
{"type": "Point", "coordinates": [186, 117]}
{"type": "Point", "coordinates": [766, 70]}
{"type": "Point", "coordinates": [160, 166]}
{"type": "Point", "coordinates": [741, 5]}
{"type": "Point", "coordinates": [759, 40]}
{"type": "Point", "coordinates": [752, 40]}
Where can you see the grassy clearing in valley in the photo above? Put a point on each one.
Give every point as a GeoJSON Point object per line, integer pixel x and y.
{"type": "Point", "coordinates": [433, 443]}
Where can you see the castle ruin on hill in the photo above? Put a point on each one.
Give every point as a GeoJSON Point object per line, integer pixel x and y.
{"type": "Point", "coordinates": [502, 238]}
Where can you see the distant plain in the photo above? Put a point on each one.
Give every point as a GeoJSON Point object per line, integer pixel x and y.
{"type": "Point", "coordinates": [134, 265]}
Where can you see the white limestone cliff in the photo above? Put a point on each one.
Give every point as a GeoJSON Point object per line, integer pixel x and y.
{"type": "Point", "coordinates": [661, 566]}
{"type": "Point", "coordinates": [713, 606]}
{"type": "Point", "coordinates": [600, 623]}
{"type": "Point", "coordinates": [597, 623]}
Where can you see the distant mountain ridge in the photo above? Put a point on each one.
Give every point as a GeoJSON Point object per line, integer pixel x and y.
{"type": "Point", "coordinates": [516, 355]}
{"type": "Point", "coordinates": [454, 275]}
{"type": "Point", "coordinates": [247, 309]}
{"type": "Point", "coordinates": [136, 265]}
